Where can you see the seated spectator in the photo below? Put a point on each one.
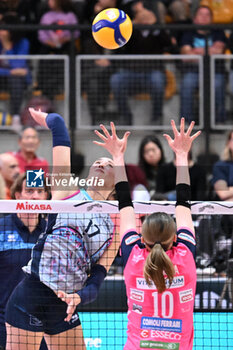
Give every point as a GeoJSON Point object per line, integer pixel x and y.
{"type": "Point", "coordinates": [51, 73]}
{"type": "Point", "coordinates": [143, 75]}
{"type": "Point", "coordinates": [14, 74]}
{"type": "Point", "coordinates": [151, 157]}
{"type": "Point", "coordinates": [166, 180]}
{"type": "Point", "coordinates": [131, 7]}
{"type": "Point", "coordinates": [137, 182]}
{"type": "Point", "coordinates": [28, 13]}
{"type": "Point", "coordinates": [98, 6]}
{"type": "Point", "coordinates": [26, 155]}
{"type": "Point", "coordinates": [193, 43]}
{"type": "Point", "coordinates": [19, 232]}
{"type": "Point", "coordinates": [9, 169]}
{"type": "Point", "coordinates": [177, 9]}
{"type": "Point", "coordinates": [223, 172]}
{"type": "Point", "coordinates": [26, 10]}
{"type": "Point", "coordinates": [60, 12]}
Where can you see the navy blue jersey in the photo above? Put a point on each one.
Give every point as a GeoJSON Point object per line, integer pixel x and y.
{"type": "Point", "coordinates": [223, 170]}
{"type": "Point", "coordinates": [16, 243]}
{"type": "Point", "coordinates": [63, 256]}
{"type": "Point", "coordinates": [197, 40]}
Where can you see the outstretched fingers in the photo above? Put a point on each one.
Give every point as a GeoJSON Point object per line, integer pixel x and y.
{"type": "Point", "coordinates": [182, 125]}
{"type": "Point", "coordinates": [113, 129]}
{"type": "Point", "coordinates": [99, 143]}
{"type": "Point", "coordinates": [124, 140]}
{"type": "Point", "coordinates": [190, 128]}
{"type": "Point", "coordinates": [193, 137]}
{"type": "Point", "coordinates": [126, 135]}
{"type": "Point", "coordinates": [168, 138]}
{"type": "Point", "coordinates": [106, 133]}
{"type": "Point", "coordinates": [101, 136]}
{"type": "Point", "coordinates": [173, 125]}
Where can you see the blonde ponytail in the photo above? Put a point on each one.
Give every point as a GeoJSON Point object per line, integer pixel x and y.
{"type": "Point", "coordinates": [159, 228]}
{"type": "Point", "coordinates": [156, 264]}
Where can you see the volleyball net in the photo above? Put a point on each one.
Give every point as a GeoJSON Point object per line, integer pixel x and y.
{"type": "Point", "coordinates": [104, 321]}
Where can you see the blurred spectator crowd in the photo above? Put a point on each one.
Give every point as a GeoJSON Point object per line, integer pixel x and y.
{"type": "Point", "coordinates": [104, 79]}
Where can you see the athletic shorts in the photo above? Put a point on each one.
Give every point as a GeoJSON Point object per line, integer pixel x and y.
{"type": "Point", "coordinates": [35, 307]}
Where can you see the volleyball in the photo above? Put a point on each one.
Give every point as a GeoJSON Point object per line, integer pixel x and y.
{"type": "Point", "coordinates": [112, 28]}
{"type": "Point", "coordinates": [5, 118]}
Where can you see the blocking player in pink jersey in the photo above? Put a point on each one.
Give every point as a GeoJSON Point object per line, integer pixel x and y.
{"type": "Point", "coordinates": [159, 266]}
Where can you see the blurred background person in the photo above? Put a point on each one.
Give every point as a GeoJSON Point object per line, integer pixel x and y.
{"type": "Point", "coordinates": [26, 10]}
{"type": "Point", "coordinates": [50, 73]}
{"type": "Point", "coordinates": [166, 180]}
{"type": "Point", "coordinates": [9, 169]}
{"type": "Point", "coordinates": [223, 172]}
{"type": "Point", "coordinates": [60, 12]}
{"type": "Point", "coordinates": [151, 157]}
{"type": "Point", "coordinates": [14, 74]}
{"type": "Point", "coordinates": [193, 43]}
{"type": "Point", "coordinates": [18, 234]}
{"type": "Point", "coordinates": [26, 155]}
{"type": "Point", "coordinates": [177, 10]}
{"type": "Point", "coordinates": [137, 182]}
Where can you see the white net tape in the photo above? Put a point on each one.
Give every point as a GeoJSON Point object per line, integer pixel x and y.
{"type": "Point", "coordinates": [59, 206]}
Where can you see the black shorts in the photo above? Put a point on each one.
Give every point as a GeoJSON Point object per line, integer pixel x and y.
{"type": "Point", "coordinates": [35, 307]}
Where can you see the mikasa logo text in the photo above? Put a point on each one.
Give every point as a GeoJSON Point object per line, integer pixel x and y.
{"type": "Point", "coordinates": [27, 206]}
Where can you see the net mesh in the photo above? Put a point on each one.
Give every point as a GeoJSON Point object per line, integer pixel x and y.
{"type": "Point", "coordinates": [62, 260]}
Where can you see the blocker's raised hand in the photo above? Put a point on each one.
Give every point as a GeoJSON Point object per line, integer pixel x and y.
{"type": "Point", "coordinates": [111, 142]}
{"type": "Point", "coordinates": [182, 141]}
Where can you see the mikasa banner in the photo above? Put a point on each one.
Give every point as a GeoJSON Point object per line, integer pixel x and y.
{"type": "Point", "coordinates": [60, 206]}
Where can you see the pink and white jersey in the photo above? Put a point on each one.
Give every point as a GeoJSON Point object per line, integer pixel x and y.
{"type": "Point", "coordinates": [161, 320]}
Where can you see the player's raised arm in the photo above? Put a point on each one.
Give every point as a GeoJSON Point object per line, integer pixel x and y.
{"type": "Point", "coordinates": [181, 145]}
{"type": "Point", "coordinates": [61, 146]}
{"type": "Point", "coordinates": [116, 147]}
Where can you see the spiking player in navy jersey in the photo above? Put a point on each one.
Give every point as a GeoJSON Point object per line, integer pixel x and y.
{"type": "Point", "coordinates": [18, 235]}
{"type": "Point", "coordinates": [73, 247]}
